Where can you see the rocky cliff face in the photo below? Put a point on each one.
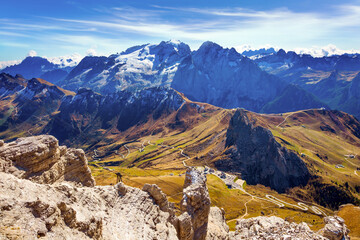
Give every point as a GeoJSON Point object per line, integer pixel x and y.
{"type": "Point", "coordinates": [41, 160]}
{"type": "Point", "coordinates": [225, 78]}
{"type": "Point", "coordinates": [195, 206]}
{"type": "Point", "coordinates": [254, 152]}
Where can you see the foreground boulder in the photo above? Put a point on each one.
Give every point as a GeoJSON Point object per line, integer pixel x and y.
{"type": "Point", "coordinates": [277, 228]}
{"type": "Point", "coordinates": [62, 211]}
{"type": "Point", "coordinates": [335, 228]}
{"type": "Point", "coordinates": [42, 160]}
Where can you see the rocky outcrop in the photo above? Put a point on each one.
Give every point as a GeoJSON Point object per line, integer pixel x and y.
{"type": "Point", "coordinates": [30, 210]}
{"type": "Point", "coordinates": [42, 160]}
{"type": "Point", "coordinates": [161, 200]}
{"type": "Point", "coordinates": [335, 228]}
{"type": "Point", "coordinates": [272, 228]}
{"type": "Point", "coordinates": [47, 191]}
{"type": "Point", "coordinates": [254, 152]}
{"type": "Point", "coordinates": [217, 227]}
{"type": "Point", "coordinates": [277, 228]}
{"type": "Point", "coordinates": [195, 204]}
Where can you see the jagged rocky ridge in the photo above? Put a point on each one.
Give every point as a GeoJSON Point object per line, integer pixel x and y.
{"type": "Point", "coordinates": [331, 79]}
{"type": "Point", "coordinates": [33, 207]}
{"type": "Point", "coordinates": [37, 104]}
{"type": "Point", "coordinates": [254, 152]}
{"type": "Point", "coordinates": [88, 111]}
{"type": "Point", "coordinates": [283, 62]}
{"type": "Point", "coordinates": [211, 74]}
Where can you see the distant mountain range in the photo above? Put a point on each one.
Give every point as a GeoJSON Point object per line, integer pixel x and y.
{"type": "Point", "coordinates": [32, 67]}
{"type": "Point", "coordinates": [333, 80]}
{"type": "Point", "coordinates": [264, 80]}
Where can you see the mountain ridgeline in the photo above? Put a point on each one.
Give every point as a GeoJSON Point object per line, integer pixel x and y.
{"type": "Point", "coordinates": [228, 139]}
{"type": "Point", "coordinates": [333, 79]}
{"type": "Point", "coordinates": [212, 74]}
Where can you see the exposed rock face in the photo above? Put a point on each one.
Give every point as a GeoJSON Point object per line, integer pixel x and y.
{"type": "Point", "coordinates": [41, 160]}
{"type": "Point", "coordinates": [272, 228]}
{"type": "Point", "coordinates": [161, 200]}
{"type": "Point", "coordinates": [196, 205]}
{"type": "Point", "coordinates": [29, 210]}
{"type": "Point", "coordinates": [217, 227]}
{"type": "Point", "coordinates": [254, 152]}
{"type": "Point", "coordinates": [277, 228]}
{"type": "Point", "coordinates": [335, 228]}
{"type": "Point", "coordinates": [47, 191]}
{"type": "Point", "coordinates": [225, 78]}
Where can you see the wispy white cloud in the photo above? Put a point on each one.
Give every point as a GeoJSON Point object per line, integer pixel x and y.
{"type": "Point", "coordinates": [118, 27]}
{"type": "Point", "coordinates": [14, 44]}
{"type": "Point", "coordinates": [327, 50]}
{"type": "Point", "coordinates": [9, 33]}
{"type": "Point", "coordinates": [4, 64]}
{"type": "Point", "coordinates": [278, 26]}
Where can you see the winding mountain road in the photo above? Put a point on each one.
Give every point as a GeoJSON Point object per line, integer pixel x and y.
{"type": "Point", "coordinates": [229, 180]}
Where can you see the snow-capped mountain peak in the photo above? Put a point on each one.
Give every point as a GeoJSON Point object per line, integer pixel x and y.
{"type": "Point", "coordinates": [141, 66]}
{"type": "Point", "coordinates": [66, 61]}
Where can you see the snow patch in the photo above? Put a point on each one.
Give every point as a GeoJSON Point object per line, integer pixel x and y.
{"type": "Point", "coordinates": [66, 61]}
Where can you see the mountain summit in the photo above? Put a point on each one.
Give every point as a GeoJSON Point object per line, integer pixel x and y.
{"type": "Point", "coordinates": [142, 66]}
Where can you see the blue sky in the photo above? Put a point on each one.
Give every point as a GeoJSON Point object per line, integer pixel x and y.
{"type": "Point", "coordinates": [64, 27]}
